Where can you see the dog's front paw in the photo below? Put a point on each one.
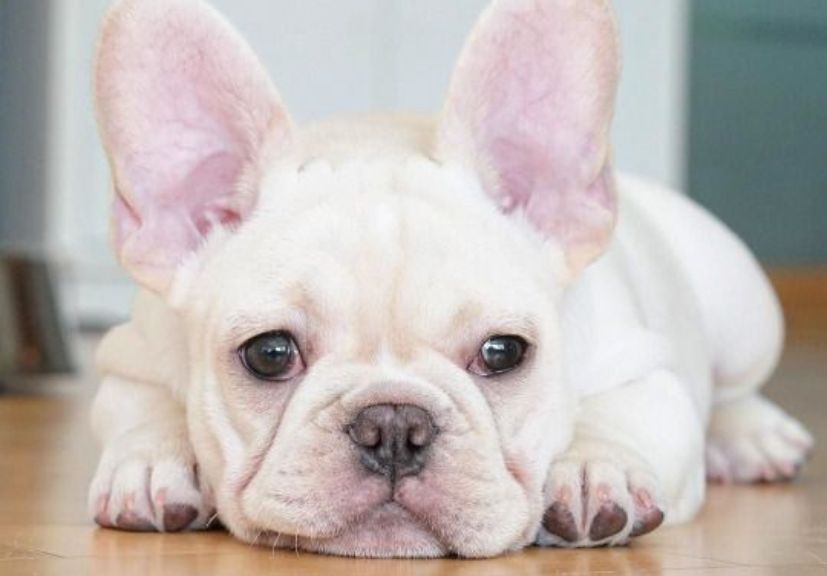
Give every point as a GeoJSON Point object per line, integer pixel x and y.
{"type": "Point", "coordinates": [598, 502]}
{"type": "Point", "coordinates": [141, 487]}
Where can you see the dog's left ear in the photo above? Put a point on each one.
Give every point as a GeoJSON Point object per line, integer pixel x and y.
{"type": "Point", "coordinates": [530, 108]}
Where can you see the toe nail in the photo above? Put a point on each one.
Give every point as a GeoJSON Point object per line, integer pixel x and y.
{"type": "Point", "coordinates": [610, 520]}
{"type": "Point", "coordinates": [559, 520]}
{"type": "Point", "coordinates": [647, 522]}
{"type": "Point", "coordinates": [178, 516]}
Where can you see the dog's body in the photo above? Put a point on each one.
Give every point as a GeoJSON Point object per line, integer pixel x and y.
{"type": "Point", "coordinates": [390, 265]}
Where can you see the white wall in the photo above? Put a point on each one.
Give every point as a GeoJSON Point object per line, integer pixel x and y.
{"type": "Point", "coordinates": [342, 56]}
{"type": "Point", "coordinates": [650, 127]}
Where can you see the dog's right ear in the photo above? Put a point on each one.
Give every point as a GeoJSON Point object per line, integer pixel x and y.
{"type": "Point", "coordinates": [188, 116]}
{"type": "Point", "coordinates": [530, 110]}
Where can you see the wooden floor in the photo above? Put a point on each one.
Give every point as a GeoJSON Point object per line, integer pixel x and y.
{"type": "Point", "coordinates": [48, 457]}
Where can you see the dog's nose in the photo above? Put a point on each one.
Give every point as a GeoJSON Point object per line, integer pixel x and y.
{"type": "Point", "coordinates": [393, 439]}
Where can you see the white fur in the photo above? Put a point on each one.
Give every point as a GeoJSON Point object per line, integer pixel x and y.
{"type": "Point", "coordinates": [662, 424]}
{"type": "Point", "coordinates": [391, 265]}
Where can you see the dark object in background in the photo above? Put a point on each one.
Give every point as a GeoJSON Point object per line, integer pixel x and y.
{"type": "Point", "coordinates": [32, 337]}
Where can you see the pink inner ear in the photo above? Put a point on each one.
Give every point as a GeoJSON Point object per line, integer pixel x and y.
{"type": "Point", "coordinates": [185, 111]}
{"type": "Point", "coordinates": [180, 217]}
{"type": "Point", "coordinates": [530, 107]}
{"type": "Point", "coordinates": [210, 189]}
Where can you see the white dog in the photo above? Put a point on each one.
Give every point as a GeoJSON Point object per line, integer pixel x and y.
{"type": "Point", "coordinates": [406, 337]}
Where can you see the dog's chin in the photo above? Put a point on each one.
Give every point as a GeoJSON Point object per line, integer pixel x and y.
{"type": "Point", "coordinates": [388, 531]}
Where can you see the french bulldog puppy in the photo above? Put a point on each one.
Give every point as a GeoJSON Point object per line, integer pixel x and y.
{"type": "Point", "coordinates": [415, 337]}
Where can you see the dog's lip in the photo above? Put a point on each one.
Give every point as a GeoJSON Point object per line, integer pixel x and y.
{"type": "Point", "coordinates": [391, 508]}
{"type": "Point", "coordinates": [388, 531]}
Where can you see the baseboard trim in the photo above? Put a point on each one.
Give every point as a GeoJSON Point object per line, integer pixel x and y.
{"type": "Point", "coordinates": [803, 295]}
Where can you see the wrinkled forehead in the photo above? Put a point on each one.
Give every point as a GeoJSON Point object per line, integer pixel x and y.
{"type": "Point", "coordinates": [404, 248]}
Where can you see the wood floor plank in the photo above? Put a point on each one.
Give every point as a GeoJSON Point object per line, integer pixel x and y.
{"type": "Point", "coordinates": [16, 552]}
{"type": "Point", "coordinates": [259, 561]}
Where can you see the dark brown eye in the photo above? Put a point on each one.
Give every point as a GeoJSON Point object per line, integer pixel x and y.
{"type": "Point", "coordinates": [272, 356]}
{"type": "Point", "coordinates": [498, 355]}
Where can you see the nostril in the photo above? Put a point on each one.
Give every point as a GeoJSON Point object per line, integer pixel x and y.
{"type": "Point", "coordinates": [372, 426]}
{"type": "Point", "coordinates": [419, 436]}
{"type": "Point", "coordinates": [419, 428]}
{"type": "Point", "coordinates": [364, 435]}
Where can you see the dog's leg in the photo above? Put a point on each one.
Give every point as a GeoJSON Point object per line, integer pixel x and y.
{"type": "Point", "coordinates": [147, 478]}
{"type": "Point", "coordinates": [749, 438]}
{"type": "Point", "coordinates": [636, 459]}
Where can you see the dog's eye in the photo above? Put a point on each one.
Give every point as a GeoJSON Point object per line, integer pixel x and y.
{"type": "Point", "coordinates": [498, 355]}
{"type": "Point", "coordinates": [272, 356]}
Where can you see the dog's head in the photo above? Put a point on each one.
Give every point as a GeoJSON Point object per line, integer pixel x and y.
{"type": "Point", "coordinates": [375, 365]}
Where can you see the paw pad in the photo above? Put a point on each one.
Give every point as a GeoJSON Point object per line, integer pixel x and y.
{"type": "Point", "coordinates": [597, 503]}
{"type": "Point", "coordinates": [177, 517]}
{"type": "Point", "coordinates": [559, 520]}
{"type": "Point", "coordinates": [609, 520]}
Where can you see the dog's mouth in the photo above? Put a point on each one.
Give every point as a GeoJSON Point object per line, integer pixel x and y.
{"type": "Point", "coordinates": [448, 506]}
{"type": "Point", "coordinates": [423, 516]}
{"type": "Point", "coordinates": [387, 531]}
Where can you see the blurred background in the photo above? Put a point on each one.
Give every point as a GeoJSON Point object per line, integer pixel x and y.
{"type": "Point", "coordinates": [725, 100]}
